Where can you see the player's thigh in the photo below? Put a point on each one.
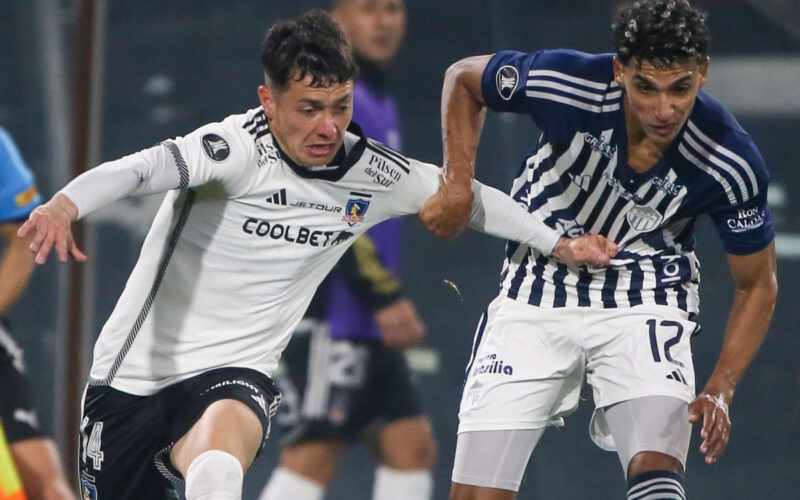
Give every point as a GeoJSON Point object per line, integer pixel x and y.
{"type": "Point", "coordinates": [228, 409]}
{"type": "Point", "coordinates": [492, 460]}
{"type": "Point", "coordinates": [650, 433]}
{"type": "Point", "coordinates": [407, 444]}
{"type": "Point", "coordinates": [120, 435]}
{"type": "Point", "coordinates": [525, 369]}
{"type": "Point", "coordinates": [634, 353]}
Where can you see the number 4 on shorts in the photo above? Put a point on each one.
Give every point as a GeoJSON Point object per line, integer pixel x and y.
{"type": "Point", "coordinates": [92, 444]}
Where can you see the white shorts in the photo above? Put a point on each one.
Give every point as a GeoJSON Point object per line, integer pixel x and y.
{"type": "Point", "coordinates": [528, 363]}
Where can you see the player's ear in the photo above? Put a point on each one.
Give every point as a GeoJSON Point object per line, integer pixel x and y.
{"type": "Point", "coordinates": [267, 100]}
{"type": "Point", "coordinates": [618, 71]}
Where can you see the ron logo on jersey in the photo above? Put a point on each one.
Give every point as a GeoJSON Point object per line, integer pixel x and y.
{"type": "Point", "coordinates": [356, 208]}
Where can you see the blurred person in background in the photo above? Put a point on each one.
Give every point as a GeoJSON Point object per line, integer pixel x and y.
{"type": "Point", "coordinates": [34, 455]}
{"type": "Point", "coordinates": [258, 209]}
{"type": "Point", "coordinates": [345, 377]}
{"type": "Point", "coordinates": [633, 150]}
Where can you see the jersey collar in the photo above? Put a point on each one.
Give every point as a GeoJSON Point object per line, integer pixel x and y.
{"type": "Point", "coordinates": [341, 162]}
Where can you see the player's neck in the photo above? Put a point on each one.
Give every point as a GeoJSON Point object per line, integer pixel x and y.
{"type": "Point", "coordinates": [643, 153]}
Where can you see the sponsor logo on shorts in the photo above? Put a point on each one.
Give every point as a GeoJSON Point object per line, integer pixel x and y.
{"type": "Point", "coordinates": [507, 79]}
{"type": "Point", "coordinates": [27, 416]}
{"type": "Point", "coordinates": [491, 364]}
{"type": "Point", "coordinates": [226, 383]}
{"type": "Point", "coordinates": [215, 147]}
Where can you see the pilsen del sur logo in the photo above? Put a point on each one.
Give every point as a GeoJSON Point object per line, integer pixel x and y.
{"type": "Point", "coordinates": [356, 208]}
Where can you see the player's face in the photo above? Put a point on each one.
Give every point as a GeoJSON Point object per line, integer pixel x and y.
{"type": "Point", "coordinates": [374, 28]}
{"type": "Point", "coordinates": [659, 99]}
{"type": "Point", "coordinates": [308, 122]}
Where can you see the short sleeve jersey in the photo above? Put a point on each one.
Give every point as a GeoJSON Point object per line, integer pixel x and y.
{"type": "Point", "coordinates": [578, 181]}
{"type": "Point", "coordinates": [235, 254]}
{"type": "Point", "coordinates": [18, 194]}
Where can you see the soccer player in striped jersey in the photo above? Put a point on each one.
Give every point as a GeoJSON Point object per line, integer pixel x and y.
{"type": "Point", "coordinates": [631, 149]}
{"type": "Point", "coordinates": [259, 207]}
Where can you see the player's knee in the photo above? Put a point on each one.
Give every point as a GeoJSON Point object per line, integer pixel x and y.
{"type": "Point", "coordinates": [648, 461]}
{"type": "Point", "coordinates": [415, 454]}
{"type": "Point", "coordinates": [214, 475]}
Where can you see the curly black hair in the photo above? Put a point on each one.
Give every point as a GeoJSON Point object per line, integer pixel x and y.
{"type": "Point", "coordinates": [312, 44]}
{"type": "Point", "coordinates": [661, 32]}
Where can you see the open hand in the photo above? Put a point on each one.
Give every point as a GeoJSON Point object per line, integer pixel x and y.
{"type": "Point", "coordinates": [713, 410]}
{"type": "Point", "coordinates": [51, 224]}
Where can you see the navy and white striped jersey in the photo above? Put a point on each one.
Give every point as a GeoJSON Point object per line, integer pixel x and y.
{"type": "Point", "coordinates": [578, 181]}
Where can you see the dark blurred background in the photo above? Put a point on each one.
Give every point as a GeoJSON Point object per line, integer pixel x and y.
{"type": "Point", "coordinates": [169, 67]}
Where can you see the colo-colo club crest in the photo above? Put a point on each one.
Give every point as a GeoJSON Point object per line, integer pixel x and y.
{"type": "Point", "coordinates": [356, 208]}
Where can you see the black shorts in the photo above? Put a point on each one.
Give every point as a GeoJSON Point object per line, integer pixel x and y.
{"type": "Point", "coordinates": [17, 411]}
{"type": "Point", "coordinates": [336, 389]}
{"type": "Point", "coordinates": [126, 439]}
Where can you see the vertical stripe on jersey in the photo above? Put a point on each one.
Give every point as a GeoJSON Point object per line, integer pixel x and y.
{"type": "Point", "coordinates": [162, 269]}
{"type": "Point", "coordinates": [183, 170]}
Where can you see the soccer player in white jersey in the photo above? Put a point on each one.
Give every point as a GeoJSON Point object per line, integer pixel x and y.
{"type": "Point", "coordinates": [259, 208]}
{"type": "Point", "coordinates": [631, 149]}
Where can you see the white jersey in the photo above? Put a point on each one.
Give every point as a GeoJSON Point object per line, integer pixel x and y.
{"type": "Point", "coordinates": [236, 252]}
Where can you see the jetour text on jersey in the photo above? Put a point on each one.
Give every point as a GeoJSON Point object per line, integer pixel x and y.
{"type": "Point", "coordinates": [300, 235]}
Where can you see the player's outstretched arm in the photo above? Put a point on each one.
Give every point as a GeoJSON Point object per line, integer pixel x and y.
{"type": "Point", "coordinates": [463, 112]}
{"type": "Point", "coordinates": [494, 212]}
{"type": "Point", "coordinates": [755, 278]}
{"type": "Point", "coordinates": [51, 226]}
{"type": "Point", "coordinates": [146, 172]}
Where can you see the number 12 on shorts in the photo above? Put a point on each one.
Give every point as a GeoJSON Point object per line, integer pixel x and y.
{"type": "Point", "coordinates": [668, 344]}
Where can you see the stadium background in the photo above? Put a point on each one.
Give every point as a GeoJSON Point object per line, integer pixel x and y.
{"type": "Point", "coordinates": [169, 67]}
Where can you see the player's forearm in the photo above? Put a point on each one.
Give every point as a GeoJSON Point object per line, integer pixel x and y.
{"type": "Point", "coordinates": [463, 114]}
{"type": "Point", "coordinates": [146, 172]}
{"type": "Point", "coordinates": [15, 268]}
{"type": "Point", "coordinates": [748, 323]}
{"type": "Point", "coordinates": [497, 214]}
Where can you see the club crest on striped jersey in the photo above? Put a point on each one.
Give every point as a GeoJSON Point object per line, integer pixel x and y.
{"type": "Point", "coordinates": [215, 147]}
{"type": "Point", "coordinates": [356, 208]}
{"type": "Point", "coordinates": [643, 218]}
{"type": "Point", "coordinates": [507, 79]}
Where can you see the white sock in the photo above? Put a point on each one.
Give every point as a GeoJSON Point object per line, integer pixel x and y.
{"type": "Point", "coordinates": [214, 475]}
{"type": "Point", "coordinates": [395, 484]}
{"type": "Point", "coordinates": [285, 484]}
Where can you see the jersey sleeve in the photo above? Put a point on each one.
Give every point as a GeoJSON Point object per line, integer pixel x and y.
{"type": "Point", "coordinates": [414, 188]}
{"type": "Point", "coordinates": [553, 86]}
{"type": "Point", "coordinates": [18, 193]}
{"type": "Point", "coordinates": [214, 152]}
{"type": "Point", "coordinates": [746, 227]}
